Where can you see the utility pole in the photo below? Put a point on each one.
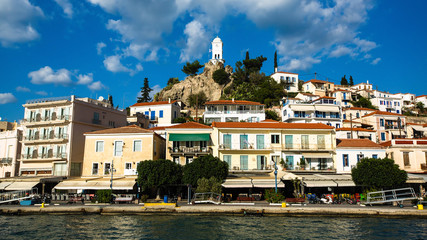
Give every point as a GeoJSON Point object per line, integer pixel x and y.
{"type": "Point", "coordinates": [111, 180]}
{"type": "Point", "coordinates": [315, 75]}
{"type": "Point", "coordinates": [399, 125]}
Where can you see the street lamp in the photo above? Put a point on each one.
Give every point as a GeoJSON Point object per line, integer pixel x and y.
{"type": "Point", "coordinates": [275, 176]}
{"type": "Point", "coordinates": [111, 179]}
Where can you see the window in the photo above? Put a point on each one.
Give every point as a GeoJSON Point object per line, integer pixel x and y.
{"type": "Point", "coordinates": [161, 114]}
{"type": "Point", "coordinates": [260, 141]}
{"type": "Point", "coordinates": [275, 139]}
{"type": "Point", "coordinates": [290, 162]}
{"type": "Point", "coordinates": [344, 116]}
{"type": "Point", "coordinates": [345, 160]}
{"type": "Point", "coordinates": [227, 141]}
{"type": "Point", "coordinates": [359, 156]}
{"type": "Point", "coordinates": [153, 115]}
{"type": "Point", "coordinates": [188, 159]}
{"type": "Point", "coordinates": [227, 159]}
{"type": "Point", "coordinates": [289, 141]}
{"type": "Point", "coordinates": [128, 166]}
{"type": "Point", "coordinates": [118, 148]}
{"type": "Point", "coordinates": [382, 122]}
{"type": "Point", "coordinates": [189, 144]}
{"type": "Point", "coordinates": [375, 156]}
{"type": "Point", "coordinates": [349, 135]}
{"type": "Point", "coordinates": [107, 168]}
{"type": "Point", "coordinates": [357, 115]}
{"type": "Point", "coordinates": [406, 159]}
{"type": "Point", "coordinates": [147, 113]}
{"type": "Point", "coordinates": [321, 141]}
{"type": "Point", "coordinates": [261, 164]}
{"type": "Point", "coordinates": [244, 142]}
{"type": "Point", "coordinates": [99, 146]}
{"type": "Point", "coordinates": [176, 160]}
{"type": "Point", "coordinates": [137, 146]}
{"type": "Point", "coordinates": [95, 167]}
{"type": "Point", "coordinates": [304, 142]}
{"type": "Point", "coordinates": [243, 162]}
{"type": "Point", "coordinates": [382, 136]}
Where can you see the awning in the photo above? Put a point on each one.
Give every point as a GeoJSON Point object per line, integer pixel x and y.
{"type": "Point", "coordinates": [317, 155]}
{"type": "Point", "coordinates": [267, 183]}
{"type": "Point", "coordinates": [326, 108]}
{"type": "Point", "coordinates": [301, 107]}
{"type": "Point", "coordinates": [320, 183]}
{"type": "Point", "coordinates": [16, 186]}
{"type": "Point", "coordinates": [3, 185]}
{"type": "Point", "coordinates": [189, 137]}
{"type": "Point", "coordinates": [238, 183]}
{"type": "Point", "coordinates": [345, 183]}
{"type": "Point", "coordinates": [96, 185]}
{"type": "Point", "coordinates": [418, 128]}
{"type": "Point", "coordinates": [416, 178]}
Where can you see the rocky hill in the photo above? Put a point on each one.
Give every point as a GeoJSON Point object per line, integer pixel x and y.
{"type": "Point", "coordinates": [195, 84]}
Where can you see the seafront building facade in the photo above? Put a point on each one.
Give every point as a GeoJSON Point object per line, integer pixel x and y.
{"type": "Point", "coordinates": [53, 141]}
{"type": "Point", "coordinates": [10, 151]}
{"type": "Point", "coordinates": [409, 154]}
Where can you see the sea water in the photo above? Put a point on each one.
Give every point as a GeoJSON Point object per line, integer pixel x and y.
{"type": "Point", "coordinates": [207, 227]}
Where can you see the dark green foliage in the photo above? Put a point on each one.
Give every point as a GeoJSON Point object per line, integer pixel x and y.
{"type": "Point", "coordinates": [272, 197]}
{"type": "Point", "coordinates": [300, 83]}
{"type": "Point", "coordinates": [173, 81]}
{"type": "Point", "coordinates": [145, 92]}
{"type": "Point", "coordinates": [157, 173]}
{"type": "Point", "coordinates": [247, 55]}
{"type": "Point", "coordinates": [275, 60]}
{"type": "Point", "coordinates": [363, 102]}
{"type": "Point", "coordinates": [192, 68]}
{"type": "Point", "coordinates": [198, 99]}
{"type": "Point", "coordinates": [221, 77]}
{"type": "Point", "coordinates": [344, 81]}
{"type": "Point", "coordinates": [179, 120]}
{"type": "Point", "coordinates": [378, 173]}
{"type": "Point", "coordinates": [420, 107]}
{"type": "Point", "coordinates": [351, 83]}
{"type": "Point", "coordinates": [104, 196]}
{"type": "Point", "coordinates": [204, 167]}
{"type": "Point", "coordinates": [209, 185]}
{"type": "Point", "coordinates": [269, 114]}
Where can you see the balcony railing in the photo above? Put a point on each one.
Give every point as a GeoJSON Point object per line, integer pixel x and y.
{"type": "Point", "coordinates": [392, 127]}
{"type": "Point", "coordinates": [191, 150]}
{"type": "Point", "coordinates": [236, 112]}
{"type": "Point", "coordinates": [39, 119]}
{"type": "Point", "coordinates": [309, 147]}
{"type": "Point", "coordinates": [96, 121]}
{"type": "Point", "coordinates": [58, 136]}
{"type": "Point", "coordinates": [7, 160]}
{"type": "Point", "coordinates": [37, 156]}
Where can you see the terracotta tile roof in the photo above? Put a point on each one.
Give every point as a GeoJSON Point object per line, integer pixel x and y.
{"type": "Point", "coordinates": [317, 81]}
{"type": "Point", "coordinates": [269, 120]}
{"type": "Point", "coordinates": [355, 129]}
{"type": "Point", "coordinates": [386, 144]}
{"type": "Point", "coordinates": [232, 102]}
{"type": "Point", "coordinates": [378, 112]}
{"type": "Point", "coordinates": [359, 108]}
{"type": "Point", "coordinates": [357, 143]}
{"type": "Point", "coordinates": [419, 124]}
{"type": "Point", "coordinates": [153, 103]}
{"type": "Point", "coordinates": [341, 90]}
{"type": "Point", "coordinates": [274, 125]}
{"type": "Point", "coordinates": [285, 72]}
{"type": "Point", "coordinates": [188, 125]}
{"type": "Point", "coordinates": [421, 96]}
{"type": "Point", "coordinates": [125, 129]}
{"type": "Point", "coordinates": [157, 128]}
{"type": "Point", "coordinates": [345, 120]}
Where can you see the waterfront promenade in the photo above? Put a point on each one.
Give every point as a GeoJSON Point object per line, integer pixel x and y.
{"type": "Point", "coordinates": [235, 209]}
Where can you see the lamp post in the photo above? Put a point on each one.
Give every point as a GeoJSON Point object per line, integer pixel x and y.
{"type": "Point", "coordinates": [275, 176]}
{"type": "Point", "coordinates": [111, 179]}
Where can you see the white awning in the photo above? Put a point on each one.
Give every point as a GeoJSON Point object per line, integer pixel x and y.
{"type": "Point", "coordinates": [16, 186]}
{"type": "Point", "coordinates": [344, 183]}
{"type": "Point", "coordinates": [96, 184]}
{"type": "Point", "coordinates": [418, 128]}
{"type": "Point", "coordinates": [238, 183]}
{"type": "Point", "coordinates": [3, 185]}
{"type": "Point", "coordinates": [267, 183]}
{"type": "Point", "coordinates": [301, 107]}
{"type": "Point", "coordinates": [326, 108]}
{"type": "Point", "coordinates": [416, 178]}
{"type": "Point", "coordinates": [317, 155]}
{"type": "Point", "coordinates": [320, 183]}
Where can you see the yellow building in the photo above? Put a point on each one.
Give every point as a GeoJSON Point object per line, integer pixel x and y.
{"type": "Point", "coordinates": [409, 154]}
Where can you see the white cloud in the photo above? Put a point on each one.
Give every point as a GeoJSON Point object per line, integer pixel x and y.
{"type": "Point", "coordinates": [66, 7]}
{"type": "Point", "coordinates": [46, 75]}
{"type": "Point", "coordinates": [7, 98]}
{"type": "Point", "coordinates": [42, 93]}
{"type": "Point", "coordinates": [96, 86]}
{"type": "Point", "coordinates": [341, 51]}
{"type": "Point", "coordinates": [113, 64]}
{"type": "Point", "coordinates": [85, 79]}
{"type": "Point", "coordinates": [156, 88]}
{"type": "Point", "coordinates": [17, 18]}
{"type": "Point", "coordinates": [376, 61]}
{"type": "Point", "coordinates": [99, 47]}
{"type": "Point", "coordinates": [301, 63]}
{"type": "Point", "coordinates": [22, 89]}
{"type": "Point", "coordinates": [364, 45]}
{"type": "Point", "coordinates": [197, 39]}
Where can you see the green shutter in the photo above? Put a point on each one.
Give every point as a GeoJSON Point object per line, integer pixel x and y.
{"type": "Point", "coordinates": [260, 141]}
{"type": "Point", "coordinates": [227, 141]}
{"type": "Point", "coordinates": [258, 162]}
{"type": "Point", "coordinates": [289, 141]}
{"type": "Point", "coordinates": [243, 141]}
{"type": "Point", "coordinates": [227, 159]}
{"type": "Point", "coordinates": [189, 137]}
{"type": "Point", "coordinates": [244, 162]}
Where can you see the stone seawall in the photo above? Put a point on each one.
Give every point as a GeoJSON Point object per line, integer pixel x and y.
{"type": "Point", "coordinates": [217, 210]}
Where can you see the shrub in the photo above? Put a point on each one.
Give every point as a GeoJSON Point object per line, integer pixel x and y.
{"type": "Point", "coordinates": [104, 196]}
{"type": "Point", "coordinates": [272, 197]}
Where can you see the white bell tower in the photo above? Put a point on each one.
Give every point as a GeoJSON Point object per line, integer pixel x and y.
{"type": "Point", "coordinates": [217, 51]}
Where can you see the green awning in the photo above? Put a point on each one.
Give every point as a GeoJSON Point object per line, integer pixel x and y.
{"type": "Point", "coordinates": [189, 137]}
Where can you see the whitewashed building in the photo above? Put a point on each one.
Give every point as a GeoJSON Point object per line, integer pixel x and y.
{"type": "Point", "coordinates": [217, 51]}
{"type": "Point", "coordinates": [351, 151]}
{"type": "Point", "coordinates": [386, 102]}
{"type": "Point", "coordinates": [233, 111]}
{"type": "Point", "coordinates": [160, 114]}
{"type": "Point", "coordinates": [10, 150]}
{"type": "Point", "coordinates": [290, 78]}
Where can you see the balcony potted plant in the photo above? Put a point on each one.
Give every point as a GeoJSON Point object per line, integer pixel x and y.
{"type": "Point", "coordinates": [302, 163]}
{"type": "Point", "coordinates": [284, 163]}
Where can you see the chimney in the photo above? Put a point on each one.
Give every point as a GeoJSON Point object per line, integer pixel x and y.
{"type": "Point", "coordinates": [275, 69]}
{"type": "Point", "coordinates": [169, 100]}
{"type": "Point", "coordinates": [232, 99]}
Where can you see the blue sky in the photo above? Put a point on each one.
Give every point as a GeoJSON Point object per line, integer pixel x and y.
{"type": "Point", "coordinates": [92, 48]}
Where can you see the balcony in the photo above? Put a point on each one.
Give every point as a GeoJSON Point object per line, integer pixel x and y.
{"type": "Point", "coordinates": [249, 147]}
{"type": "Point", "coordinates": [236, 112]}
{"type": "Point", "coordinates": [7, 160]}
{"type": "Point", "coordinates": [50, 138]}
{"type": "Point", "coordinates": [45, 156]}
{"type": "Point", "coordinates": [38, 120]}
{"type": "Point", "coordinates": [196, 150]}
{"type": "Point", "coordinates": [392, 127]}
{"type": "Point", "coordinates": [96, 121]}
{"type": "Point", "coordinates": [307, 147]}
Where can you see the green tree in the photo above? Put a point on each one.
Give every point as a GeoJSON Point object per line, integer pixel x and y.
{"type": "Point", "coordinates": [420, 107]}
{"type": "Point", "coordinates": [192, 68]}
{"type": "Point", "coordinates": [197, 100]}
{"type": "Point", "coordinates": [378, 173]}
{"type": "Point", "coordinates": [269, 114]}
{"type": "Point", "coordinates": [173, 81]}
{"type": "Point", "coordinates": [209, 185]}
{"type": "Point", "coordinates": [344, 81]}
{"type": "Point", "coordinates": [300, 83]}
{"type": "Point", "coordinates": [220, 76]}
{"type": "Point", "coordinates": [153, 174]}
{"type": "Point", "coordinates": [363, 102]}
{"type": "Point", "coordinates": [145, 92]}
{"type": "Point", "coordinates": [205, 167]}
{"type": "Point", "coordinates": [351, 83]}
{"type": "Point", "coordinates": [247, 55]}
{"type": "Point", "coordinates": [275, 61]}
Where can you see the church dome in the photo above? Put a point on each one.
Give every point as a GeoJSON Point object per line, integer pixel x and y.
{"type": "Point", "coordinates": [217, 39]}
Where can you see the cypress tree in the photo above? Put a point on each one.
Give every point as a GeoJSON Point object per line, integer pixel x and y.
{"type": "Point", "coordinates": [275, 61]}
{"type": "Point", "coordinates": [145, 92]}
{"type": "Point", "coordinates": [247, 55]}
{"type": "Point", "coordinates": [351, 81]}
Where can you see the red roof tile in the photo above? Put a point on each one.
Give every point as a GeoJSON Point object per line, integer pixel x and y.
{"type": "Point", "coordinates": [285, 72]}
{"type": "Point", "coordinates": [269, 120]}
{"type": "Point", "coordinates": [421, 96]}
{"type": "Point", "coordinates": [279, 125]}
{"type": "Point", "coordinates": [153, 103]}
{"type": "Point", "coordinates": [189, 125]}
{"type": "Point", "coordinates": [356, 143]}
{"type": "Point", "coordinates": [317, 81]}
{"type": "Point", "coordinates": [232, 102]}
{"type": "Point", "coordinates": [378, 112]}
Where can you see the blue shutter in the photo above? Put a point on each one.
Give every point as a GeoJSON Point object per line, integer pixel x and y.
{"type": "Point", "coordinates": [290, 160]}
{"type": "Point", "coordinates": [243, 141]}
{"type": "Point", "coordinates": [161, 114]}
{"type": "Point", "coordinates": [153, 115]}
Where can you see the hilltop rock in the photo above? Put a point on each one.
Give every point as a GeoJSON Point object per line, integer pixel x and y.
{"type": "Point", "coordinates": [195, 84]}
